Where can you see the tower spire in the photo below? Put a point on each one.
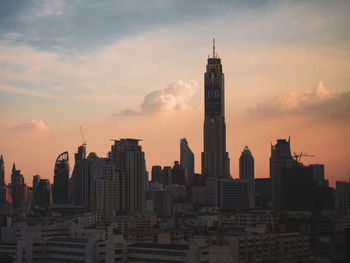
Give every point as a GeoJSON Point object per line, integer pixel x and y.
{"type": "Point", "coordinates": [213, 47]}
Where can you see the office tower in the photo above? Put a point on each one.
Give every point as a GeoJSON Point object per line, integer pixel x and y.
{"type": "Point", "coordinates": [318, 174]}
{"type": "Point", "coordinates": [215, 160]}
{"type": "Point", "coordinates": [36, 180]}
{"type": "Point", "coordinates": [246, 172]}
{"type": "Point", "coordinates": [187, 159]}
{"type": "Point", "coordinates": [129, 159]}
{"type": "Point", "coordinates": [18, 188]}
{"type": "Point", "coordinates": [263, 192]}
{"type": "Point", "coordinates": [296, 189]}
{"type": "Point", "coordinates": [178, 174]}
{"type": "Point", "coordinates": [280, 159]}
{"type": "Point", "coordinates": [80, 178]}
{"type": "Point", "coordinates": [61, 176]}
{"type": "Point", "coordinates": [106, 187]}
{"type": "Point", "coordinates": [166, 175]}
{"type": "Point", "coordinates": [2, 180]}
{"type": "Point", "coordinates": [342, 197]}
{"type": "Point", "coordinates": [42, 195]}
{"type": "Point", "coordinates": [156, 173]}
{"type": "Point", "coordinates": [232, 194]}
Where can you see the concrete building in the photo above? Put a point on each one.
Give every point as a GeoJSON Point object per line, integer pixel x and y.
{"type": "Point", "coordinates": [280, 159]}
{"type": "Point", "coordinates": [42, 194]}
{"type": "Point", "coordinates": [232, 194]}
{"type": "Point", "coordinates": [246, 172]}
{"type": "Point", "coordinates": [178, 174]}
{"type": "Point", "coordinates": [129, 159]}
{"type": "Point", "coordinates": [187, 159]}
{"type": "Point", "coordinates": [342, 197]}
{"type": "Point", "coordinates": [60, 181]}
{"type": "Point", "coordinates": [80, 178]}
{"type": "Point", "coordinates": [215, 159]}
{"type": "Point", "coordinates": [18, 189]}
{"type": "Point", "coordinates": [156, 173]}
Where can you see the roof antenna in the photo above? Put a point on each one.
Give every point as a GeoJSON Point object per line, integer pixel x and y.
{"type": "Point", "coordinates": [213, 47]}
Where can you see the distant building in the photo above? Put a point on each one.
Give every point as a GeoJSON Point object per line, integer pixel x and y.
{"type": "Point", "coordinates": [246, 172]}
{"type": "Point", "coordinates": [80, 178]}
{"type": "Point", "coordinates": [215, 158]}
{"type": "Point", "coordinates": [318, 174]}
{"type": "Point", "coordinates": [42, 195]}
{"type": "Point", "coordinates": [156, 173]}
{"type": "Point", "coordinates": [129, 159]}
{"type": "Point", "coordinates": [18, 189]}
{"type": "Point", "coordinates": [187, 159]}
{"type": "Point", "coordinates": [61, 178]}
{"type": "Point", "coordinates": [342, 193]}
{"type": "Point", "coordinates": [166, 175]}
{"type": "Point", "coordinates": [178, 174]}
{"type": "Point", "coordinates": [232, 194]}
{"type": "Point", "coordinates": [280, 159]}
{"type": "Point", "coordinates": [263, 192]}
{"type": "Point", "coordinates": [2, 180]}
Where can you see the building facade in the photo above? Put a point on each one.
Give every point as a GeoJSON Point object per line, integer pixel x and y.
{"type": "Point", "coordinates": [215, 159]}
{"type": "Point", "coordinates": [187, 159]}
{"type": "Point", "coordinates": [61, 176]}
{"type": "Point", "coordinates": [246, 172]}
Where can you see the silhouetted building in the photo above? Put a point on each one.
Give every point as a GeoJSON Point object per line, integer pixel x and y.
{"type": "Point", "coordinates": [178, 174]}
{"type": "Point", "coordinates": [318, 174]}
{"type": "Point", "coordinates": [215, 160]}
{"type": "Point", "coordinates": [129, 159]}
{"type": "Point", "coordinates": [280, 159]}
{"type": "Point", "coordinates": [80, 178]}
{"type": "Point", "coordinates": [166, 175]}
{"type": "Point", "coordinates": [2, 180]}
{"type": "Point", "coordinates": [232, 194]}
{"type": "Point", "coordinates": [296, 189]}
{"type": "Point", "coordinates": [187, 159]}
{"type": "Point", "coordinates": [61, 177]}
{"type": "Point", "coordinates": [246, 172]}
{"type": "Point", "coordinates": [263, 192]}
{"type": "Point", "coordinates": [342, 195]}
{"type": "Point", "coordinates": [18, 189]}
{"type": "Point", "coordinates": [156, 173]}
{"type": "Point", "coordinates": [42, 195]}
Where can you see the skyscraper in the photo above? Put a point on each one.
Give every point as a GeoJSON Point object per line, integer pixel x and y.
{"type": "Point", "coordinates": [2, 180]}
{"type": "Point", "coordinates": [215, 159]}
{"type": "Point", "coordinates": [280, 159]}
{"type": "Point", "coordinates": [42, 195]}
{"type": "Point", "coordinates": [61, 175]}
{"type": "Point", "coordinates": [129, 159]}
{"type": "Point", "coordinates": [187, 159]}
{"type": "Point", "coordinates": [18, 188]}
{"type": "Point", "coordinates": [80, 178]}
{"type": "Point", "coordinates": [156, 173]}
{"type": "Point", "coordinates": [246, 172]}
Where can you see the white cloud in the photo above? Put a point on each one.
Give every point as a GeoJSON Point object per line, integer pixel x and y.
{"type": "Point", "coordinates": [318, 102]}
{"type": "Point", "coordinates": [174, 97]}
{"type": "Point", "coordinates": [33, 125]}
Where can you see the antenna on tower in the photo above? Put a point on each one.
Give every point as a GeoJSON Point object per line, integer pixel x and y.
{"type": "Point", "coordinates": [213, 47]}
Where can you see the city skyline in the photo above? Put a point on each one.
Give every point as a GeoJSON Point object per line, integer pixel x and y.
{"type": "Point", "coordinates": [294, 85]}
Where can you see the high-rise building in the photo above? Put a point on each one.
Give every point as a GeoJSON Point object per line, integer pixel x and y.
{"type": "Point", "coordinates": [156, 173]}
{"type": "Point", "coordinates": [215, 159]}
{"type": "Point", "coordinates": [166, 175]}
{"type": "Point", "coordinates": [61, 176]}
{"type": "Point", "coordinates": [246, 172]}
{"type": "Point", "coordinates": [80, 178]}
{"type": "Point", "coordinates": [42, 195]}
{"type": "Point", "coordinates": [187, 159]}
{"type": "Point", "coordinates": [129, 159]}
{"type": "Point", "coordinates": [18, 188]}
{"type": "Point", "coordinates": [232, 194]}
{"type": "Point", "coordinates": [280, 159]}
{"type": "Point", "coordinates": [178, 174]}
{"type": "Point", "coordinates": [318, 174]}
{"type": "Point", "coordinates": [2, 180]}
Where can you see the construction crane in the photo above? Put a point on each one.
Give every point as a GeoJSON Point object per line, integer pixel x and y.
{"type": "Point", "coordinates": [82, 136]}
{"type": "Point", "coordinates": [301, 154]}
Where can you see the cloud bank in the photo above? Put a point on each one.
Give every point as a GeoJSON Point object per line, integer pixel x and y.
{"type": "Point", "coordinates": [174, 97]}
{"type": "Point", "coordinates": [30, 126]}
{"type": "Point", "coordinates": [318, 102]}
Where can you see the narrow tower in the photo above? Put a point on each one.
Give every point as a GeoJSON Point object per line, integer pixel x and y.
{"type": "Point", "coordinates": [246, 173]}
{"type": "Point", "coordinates": [215, 160]}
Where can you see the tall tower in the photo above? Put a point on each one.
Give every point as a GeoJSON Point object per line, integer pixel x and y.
{"type": "Point", "coordinates": [2, 180]}
{"type": "Point", "coordinates": [187, 159]}
{"type": "Point", "coordinates": [246, 172]}
{"type": "Point", "coordinates": [60, 183]}
{"type": "Point", "coordinates": [215, 160]}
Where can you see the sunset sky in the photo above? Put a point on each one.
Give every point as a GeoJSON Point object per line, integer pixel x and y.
{"type": "Point", "coordinates": [134, 69]}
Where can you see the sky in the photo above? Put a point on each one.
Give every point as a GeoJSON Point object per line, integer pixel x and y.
{"type": "Point", "coordinates": [134, 69]}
